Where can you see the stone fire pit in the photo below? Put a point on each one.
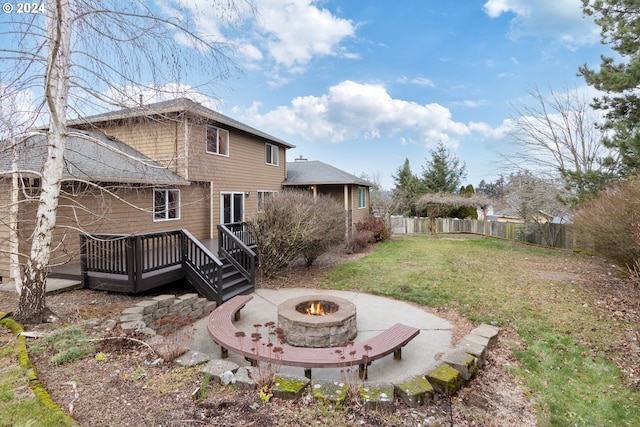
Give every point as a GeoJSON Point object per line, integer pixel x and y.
{"type": "Point", "coordinates": [302, 329]}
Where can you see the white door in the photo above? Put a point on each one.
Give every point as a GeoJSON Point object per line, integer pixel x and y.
{"type": "Point", "coordinates": [231, 207]}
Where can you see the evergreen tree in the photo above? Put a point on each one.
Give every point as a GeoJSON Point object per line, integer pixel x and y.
{"type": "Point", "coordinates": [466, 211]}
{"type": "Point", "coordinates": [443, 172]}
{"type": "Point", "coordinates": [492, 189]}
{"type": "Point", "coordinates": [619, 21]}
{"type": "Point", "coordinates": [408, 189]}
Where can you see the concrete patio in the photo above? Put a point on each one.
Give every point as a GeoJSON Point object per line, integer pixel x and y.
{"type": "Point", "coordinates": [374, 315]}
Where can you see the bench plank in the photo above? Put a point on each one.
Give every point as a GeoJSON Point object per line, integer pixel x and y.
{"type": "Point", "coordinates": [227, 336]}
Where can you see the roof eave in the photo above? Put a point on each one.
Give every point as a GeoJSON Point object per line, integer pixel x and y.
{"type": "Point", "coordinates": [189, 107]}
{"type": "Point", "coordinates": [292, 184]}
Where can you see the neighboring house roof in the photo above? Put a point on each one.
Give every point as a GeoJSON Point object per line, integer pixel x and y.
{"type": "Point", "coordinates": [93, 157]}
{"type": "Point", "coordinates": [175, 106]}
{"type": "Point", "coordinates": [511, 212]}
{"type": "Point", "coordinates": [317, 173]}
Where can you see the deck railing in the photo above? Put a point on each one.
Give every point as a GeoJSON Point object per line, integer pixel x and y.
{"type": "Point", "coordinates": [233, 243]}
{"type": "Point", "coordinates": [130, 261]}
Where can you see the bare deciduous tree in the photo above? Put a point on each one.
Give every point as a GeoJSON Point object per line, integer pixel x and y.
{"type": "Point", "coordinates": [90, 55]}
{"type": "Point", "coordinates": [538, 202]}
{"type": "Point", "coordinates": [557, 135]}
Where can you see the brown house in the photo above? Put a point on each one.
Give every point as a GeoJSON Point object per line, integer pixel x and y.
{"type": "Point", "coordinates": [166, 166]}
{"type": "Point", "coordinates": [321, 178]}
{"type": "Point", "coordinates": [152, 186]}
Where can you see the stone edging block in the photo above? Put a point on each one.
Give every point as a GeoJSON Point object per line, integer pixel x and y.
{"type": "Point", "coordinates": [161, 313]}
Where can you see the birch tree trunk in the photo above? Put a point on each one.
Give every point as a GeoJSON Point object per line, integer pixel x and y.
{"type": "Point", "coordinates": [31, 307]}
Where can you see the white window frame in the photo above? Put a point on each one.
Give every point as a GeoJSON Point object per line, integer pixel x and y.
{"type": "Point", "coordinates": [210, 130]}
{"type": "Point", "coordinates": [232, 206]}
{"type": "Point", "coordinates": [269, 151]}
{"type": "Point", "coordinates": [261, 197]}
{"type": "Point", "coordinates": [362, 197]}
{"type": "Point", "coordinates": [165, 214]}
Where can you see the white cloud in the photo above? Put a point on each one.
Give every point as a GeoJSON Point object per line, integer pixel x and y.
{"type": "Point", "coordinates": [419, 81]}
{"type": "Point", "coordinates": [562, 20]}
{"type": "Point", "coordinates": [352, 110]}
{"type": "Point", "coordinates": [289, 32]}
{"type": "Point", "coordinates": [296, 30]}
{"type": "Point", "coordinates": [470, 103]}
{"type": "Point", "coordinates": [494, 133]}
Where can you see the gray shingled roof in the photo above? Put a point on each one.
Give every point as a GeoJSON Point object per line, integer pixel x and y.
{"type": "Point", "coordinates": [178, 105]}
{"type": "Point", "coordinates": [93, 157]}
{"type": "Point", "coordinates": [315, 173]}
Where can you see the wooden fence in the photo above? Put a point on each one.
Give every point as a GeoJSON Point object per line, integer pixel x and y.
{"type": "Point", "coordinates": [554, 235]}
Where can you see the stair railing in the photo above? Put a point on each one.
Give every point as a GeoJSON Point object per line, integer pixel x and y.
{"type": "Point", "coordinates": [198, 261]}
{"type": "Point", "coordinates": [232, 244]}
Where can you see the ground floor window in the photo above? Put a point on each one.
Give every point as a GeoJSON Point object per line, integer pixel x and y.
{"type": "Point", "coordinates": [362, 197]}
{"type": "Point", "coordinates": [166, 205]}
{"type": "Point", "coordinates": [262, 196]}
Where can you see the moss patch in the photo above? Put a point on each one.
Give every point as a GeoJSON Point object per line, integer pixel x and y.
{"type": "Point", "coordinates": [289, 387]}
{"type": "Point", "coordinates": [377, 396]}
{"type": "Point", "coordinates": [415, 392]}
{"type": "Point", "coordinates": [445, 380]}
{"type": "Point", "coordinates": [45, 403]}
{"type": "Point", "coordinates": [331, 391]}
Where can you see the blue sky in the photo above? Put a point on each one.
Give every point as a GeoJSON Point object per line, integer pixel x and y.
{"type": "Point", "coordinates": [364, 84]}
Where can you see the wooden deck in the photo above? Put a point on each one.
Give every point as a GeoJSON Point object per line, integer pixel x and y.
{"type": "Point", "coordinates": [138, 263]}
{"type": "Point", "coordinates": [73, 270]}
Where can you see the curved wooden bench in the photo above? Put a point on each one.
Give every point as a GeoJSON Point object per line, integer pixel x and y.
{"type": "Point", "coordinates": [228, 337]}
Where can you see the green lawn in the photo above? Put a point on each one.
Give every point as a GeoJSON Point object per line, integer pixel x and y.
{"type": "Point", "coordinates": [565, 343]}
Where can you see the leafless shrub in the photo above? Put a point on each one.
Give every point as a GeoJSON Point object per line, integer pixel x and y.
{"type": "Point", "coordinates": [360, 240]}
{"type": "Point", "coordinates": [295, 224]}
{"type": "Point", "coordinates": [605, 225]}
{"type": "Point", "coordinates": [634, 281]}
{"type": "Point", "coordinates": [176, 337]}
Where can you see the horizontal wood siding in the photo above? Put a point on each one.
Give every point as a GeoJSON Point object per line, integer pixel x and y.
{"type": "Point", "coordinates": [359, 214]}
{"type": "Point", "coordinates": [5, 196]}
{"type": "Point", "coordinates": [160, 140]}
{"type": "Point", "coordinates": [337, 193]}
{"type": "Point", "coordinates": [243, 171]}
{"type": "Point", "coordinates": [178, 141]}
{"type": "Point", "coordinates": [132, 214]}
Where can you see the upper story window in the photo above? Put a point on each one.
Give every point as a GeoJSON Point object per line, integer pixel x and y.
{"type": "Point", "coordinates": [217, 141]}
{"type": "Point", "coordinates": [166, 205]}
{"type": "Point", "coordinates": [362, 197]}
{"type": "Point", "coordinates": [271, 154]}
